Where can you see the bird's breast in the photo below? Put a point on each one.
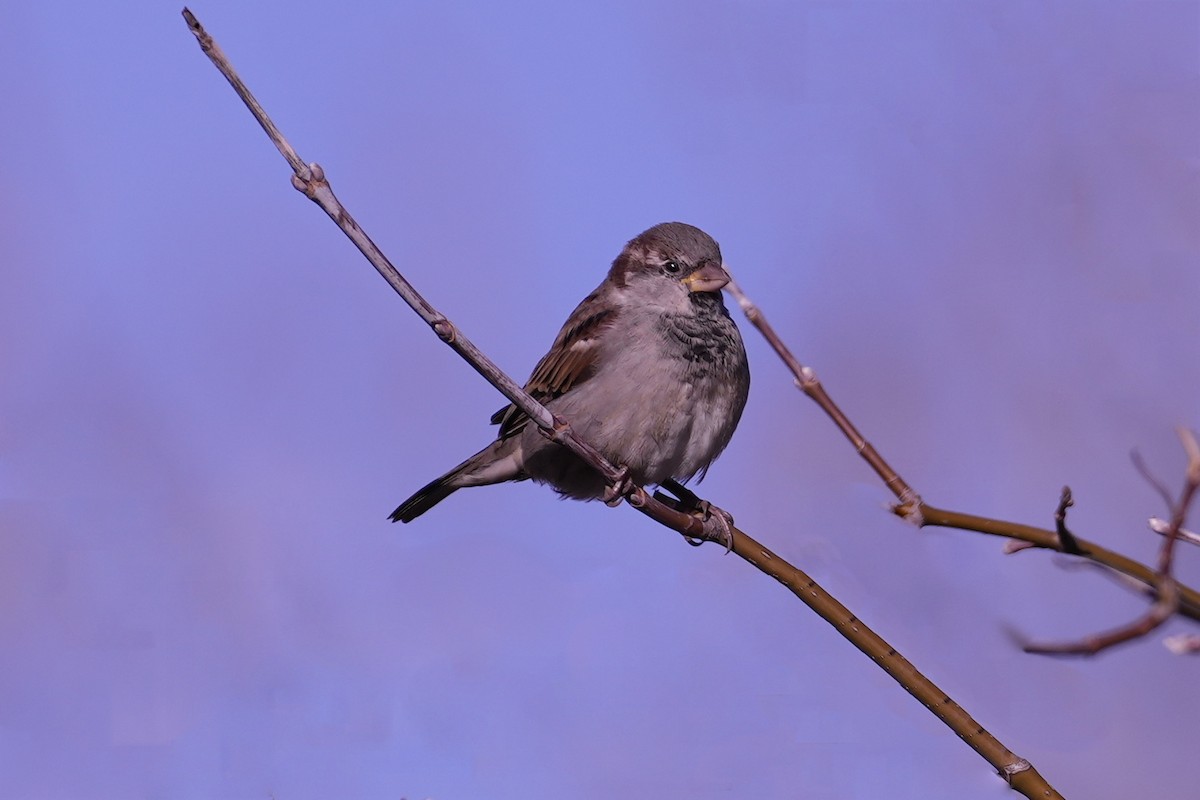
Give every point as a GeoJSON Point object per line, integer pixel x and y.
{"type": "Point", "coordinates": [703, 345]}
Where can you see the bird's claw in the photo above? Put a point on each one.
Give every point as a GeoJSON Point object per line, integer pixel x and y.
{"type": "Point", "coordinates": [707, 512]}
{"type": "Point", "coordinates": [617, 491]}
{"type": "Point", "coordinates": [704, 511]}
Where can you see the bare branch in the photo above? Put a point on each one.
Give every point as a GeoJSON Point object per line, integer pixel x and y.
{"type": "Point", "coordinates": [1189, 599]}
{"type": "Point", "coordinates": [1166, 589]}
{"type": "Point", "coordinates": [1160, 612]}
{"type": "Point", "coordinates": [806, 380]}
{"type": "Point", "coordinates": [213, 51]}
{"type": "Point", "coordinates": [1179, 510]}
{"type": "Point", "coordinates": [694, 519]}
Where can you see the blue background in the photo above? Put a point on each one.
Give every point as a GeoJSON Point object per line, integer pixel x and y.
{"type": "Point", "coordinates": [977, 221]}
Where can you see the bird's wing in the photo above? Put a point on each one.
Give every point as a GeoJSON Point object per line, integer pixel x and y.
{"type": "Point", "coordinates": [571, 361]}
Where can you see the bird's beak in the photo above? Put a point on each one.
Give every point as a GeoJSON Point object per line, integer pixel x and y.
{"type": "Point", "coordinates": [711, 277]}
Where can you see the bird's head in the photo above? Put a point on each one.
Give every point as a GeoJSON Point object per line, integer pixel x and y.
{"type": "Point", "coordinates": [671, 264]}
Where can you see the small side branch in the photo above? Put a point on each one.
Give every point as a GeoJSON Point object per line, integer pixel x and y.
{"type": "Point", "coordinates": [1162, 527]}
{"type": "Point", "coordinates": [1166, 589]}
{"type": "Point", "coordinates": [1162, 610]}
{"type": "Point", "coordinates": [1065, 539]}
{"type": "Point", "coordinates": [1189, 599]}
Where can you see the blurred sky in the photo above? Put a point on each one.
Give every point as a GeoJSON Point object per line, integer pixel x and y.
{"type": "Point", "coordinates": [978, 221]}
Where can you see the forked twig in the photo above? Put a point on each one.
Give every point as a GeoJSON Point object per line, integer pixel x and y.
{"type": "Point", "coordinates": [1166, 589]}
{"type": "Point", "coordinates": [310, 179]}
{"type": "Point", "coordinates": [912, 507]}
{"type": "Point", "coordinates": [1162, 610]}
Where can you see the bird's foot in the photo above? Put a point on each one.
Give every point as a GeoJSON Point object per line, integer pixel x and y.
{"type": "Point", "coordinates": [619, 489]}
{"type": "Point", "coordinates": [706, 512]}
{"type": "Point", "coordinates": [724, 522]}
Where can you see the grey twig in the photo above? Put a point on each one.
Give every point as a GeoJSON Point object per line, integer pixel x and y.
{"type": "Point", "coordinates": [1162, 527]}
{"type": "Point", "coordinates": [909, 502]}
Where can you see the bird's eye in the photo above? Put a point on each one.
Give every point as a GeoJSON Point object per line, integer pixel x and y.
{"type": "Point", "coordinates": [671, 267]}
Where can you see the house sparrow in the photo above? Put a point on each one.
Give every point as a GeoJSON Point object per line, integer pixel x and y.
{"type": "Point", "coordinates": [649, 369]}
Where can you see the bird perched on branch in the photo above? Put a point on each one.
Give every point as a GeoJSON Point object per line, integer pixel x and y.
{"type": "Point", "coordinates": [649, 369]}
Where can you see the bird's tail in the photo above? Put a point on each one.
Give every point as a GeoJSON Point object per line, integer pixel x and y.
{"type": "Point", "coordinates": [426, 498]}
{"type": "Point", "coordinates": [495, 463]}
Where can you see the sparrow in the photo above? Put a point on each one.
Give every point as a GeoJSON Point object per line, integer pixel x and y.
{"type": "Point", "coordinates": [649, 369]}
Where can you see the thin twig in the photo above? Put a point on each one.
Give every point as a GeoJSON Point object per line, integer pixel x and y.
{"type": "Point", "coordinates": [1140, 465]}
{"type": "Point", "coordinates": [1162, 528]}
{"type": "Point", "coordinates": [1183, 644]}
{"type": "Point", "coordinates": [1162, 610]}
{"type": "Point", "coordinates": [1166, 589]}
{"type": "Point", "coordinates": [807, 382]}
{"type": "Point", "coordinates": [310, 179]}
{"type": "Point", "coordinates": [1065, 539]}
{"type": "Point", "coordinates": [1189, 599]}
